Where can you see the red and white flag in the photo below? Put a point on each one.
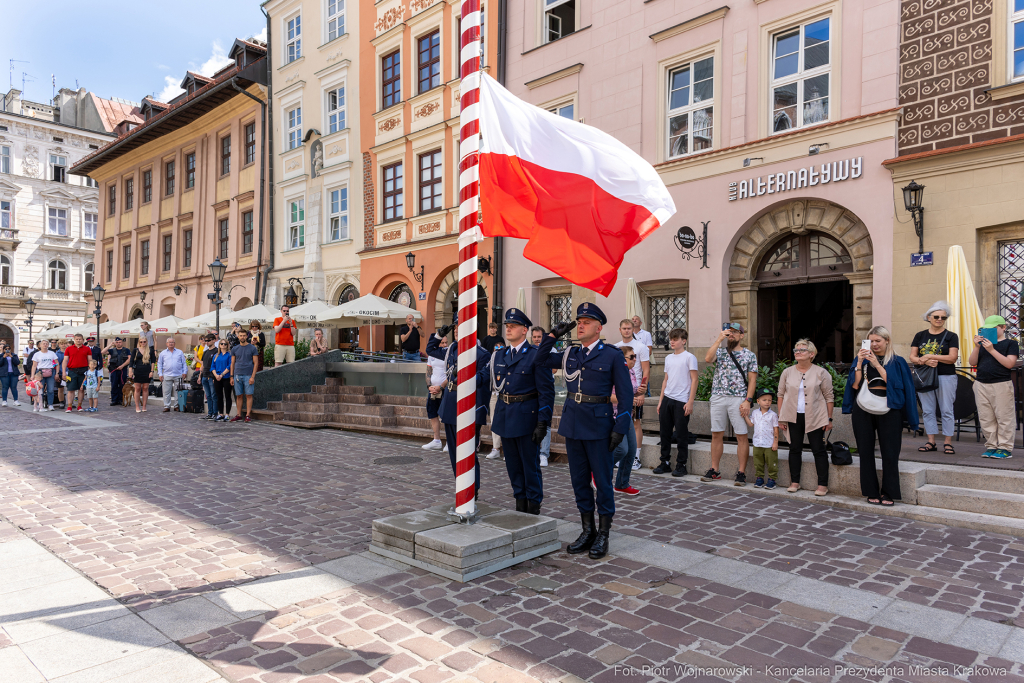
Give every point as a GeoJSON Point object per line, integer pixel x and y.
{"type": "Point", "coordinates": [581, 197]}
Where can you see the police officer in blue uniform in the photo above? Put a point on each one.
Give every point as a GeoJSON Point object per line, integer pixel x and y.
{"type": "Point", "coordinates": [448, 411]}
{"type": "Point", "coordinates": [526, 397]}
{"type": "Point", "coordinates": [592, 371]}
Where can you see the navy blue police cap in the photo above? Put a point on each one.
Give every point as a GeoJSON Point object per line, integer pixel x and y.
{"type": "Point", "coordinates": [514, 315]}
{"type": "Point", "coordinates": [589, 310]}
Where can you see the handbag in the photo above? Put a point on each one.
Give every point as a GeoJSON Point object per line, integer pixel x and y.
{"type": "Point", "coordinates": [926, 378]}
{"type": "Point", "coordinates": [870, 403]}
{"type": "Point", "coordinates": [47, 372]}
{"type": "Point", "coordinates": [840, 451]}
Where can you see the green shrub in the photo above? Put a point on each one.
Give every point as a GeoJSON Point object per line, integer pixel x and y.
{"type": "Point", "coordinates": [768, 378]}
{"type": "Point", "coordinates": [301, 351]}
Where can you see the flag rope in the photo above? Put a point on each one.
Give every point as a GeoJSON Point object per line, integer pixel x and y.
{"type": "Point", "coordinates": [469, 204]}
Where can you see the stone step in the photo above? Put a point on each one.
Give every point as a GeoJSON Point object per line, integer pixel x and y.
{"type": "Point", "coordinates": [414, 422]}
{"type": "Point", "coordinates": [335, 381]}
{"type": "Point", "coordinates": [1002, 481]}
{"type": "Point", "coordinates": [410, 411]}
{"type": "Point", "coordinates": [997, 503]}
{"type": "Point", "coordinates": [361, 420]}
{"type": "Point", "coordinates": [394, 399]}
{"type": "Point", "coordinates": [267, 415]}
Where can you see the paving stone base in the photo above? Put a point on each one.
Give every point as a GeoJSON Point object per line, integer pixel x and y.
{"type": "Point", "coordinates": [430, 540]}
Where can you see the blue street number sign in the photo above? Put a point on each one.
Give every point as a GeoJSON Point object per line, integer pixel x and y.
{"type": "Point", "coordinates": [924, 259]}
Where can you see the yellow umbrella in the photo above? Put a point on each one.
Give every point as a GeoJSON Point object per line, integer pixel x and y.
{"type": "Point", "coordinates": [521, 300]}
{"type": "Point", "coordinates": [965, 318]}
{"type": "Point", "coordinates": [633, 305]}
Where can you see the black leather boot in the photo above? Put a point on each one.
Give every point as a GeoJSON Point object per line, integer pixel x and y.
{"type": "Point", "coordinates": [600, 546]}
{"type": "Point", "coordinates": [586, 539]}
{"type": "Point", "coordinates": [521, 504]}
{"type": "Point", "coordinates": [533, 507]}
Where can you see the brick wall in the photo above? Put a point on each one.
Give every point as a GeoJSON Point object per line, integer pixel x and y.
{"type": "Point", "coordinates": [368, 206]}
{"type": "Point", "coordinates": [945, 69]}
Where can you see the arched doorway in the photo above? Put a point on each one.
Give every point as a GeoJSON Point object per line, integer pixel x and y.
{"type": "Point", "coordinates": [803, 269]}
{"type": "Point", "coordinates": [243, 303]}
{"type": "Point", "coordinates": [137, 314]}
{"type": "Point", "coordinates": [446, 304]}
{"type": "Point", "coordinates": [7, 335]}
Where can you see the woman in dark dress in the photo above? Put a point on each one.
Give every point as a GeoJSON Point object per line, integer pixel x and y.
{"type": "Point", "coordinates": [140, 370]}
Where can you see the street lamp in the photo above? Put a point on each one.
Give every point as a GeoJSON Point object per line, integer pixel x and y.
{"type": "Point", "coordinates": [30, 306]}
{"type": "Point", "coordinates": [410, 260]}
{"type": "Point", "coordinates": [217, 274]}
{"type": "Point", "coordinates": [291, 297]}
{"type": "Point", "coordinates": [97, 296]}
{"type": "Point", "coordinates": [912, 196]}
{"type": "Point", "coordinates": [145, 306]}
{"type": "Point", "coordinates": [178, 289]}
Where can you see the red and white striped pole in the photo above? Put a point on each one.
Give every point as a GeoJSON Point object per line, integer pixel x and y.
{"type": "Point", "coordinates": [469, 235]}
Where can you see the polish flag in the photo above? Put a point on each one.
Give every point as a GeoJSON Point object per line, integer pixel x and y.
{"type": "Point", "coordinates": [581, 197]}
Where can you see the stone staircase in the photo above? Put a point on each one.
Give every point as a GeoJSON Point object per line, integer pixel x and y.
{"type": "Point", "coordinates": [336, 405]}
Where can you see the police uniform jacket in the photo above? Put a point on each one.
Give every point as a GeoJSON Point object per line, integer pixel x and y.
{"type": "Point", "coordinates": [449, 410]}
{"type": "Point", "coordinates": [523, 374]}
{"type": "Point", "coordinates": [601, 371]}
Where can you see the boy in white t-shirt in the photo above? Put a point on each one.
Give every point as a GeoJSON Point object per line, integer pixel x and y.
{"type": "Point", "coordinates": [678, 390]}
{"type": "Point", "coordinates": [765, 423]}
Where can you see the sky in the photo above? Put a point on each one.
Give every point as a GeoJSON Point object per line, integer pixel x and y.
{"type": "Point", "coordinates": [118, 49]}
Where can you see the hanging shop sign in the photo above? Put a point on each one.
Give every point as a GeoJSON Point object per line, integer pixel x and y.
{"type": "Point", "coordinates": [690, 245]}
{"type": "Point", "coordinates": [818, 174]}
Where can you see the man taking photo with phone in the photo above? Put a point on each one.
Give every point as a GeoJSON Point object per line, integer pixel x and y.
{"type": "Point", "coordinates": [732, 393]}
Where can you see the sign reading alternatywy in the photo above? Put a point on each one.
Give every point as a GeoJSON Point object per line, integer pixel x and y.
{"type": "Point", "coordinates": [818, 174]}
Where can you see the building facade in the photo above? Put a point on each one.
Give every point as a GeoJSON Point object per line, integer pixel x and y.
{"type": "Point", "coordinates": [49, 216]}
{"type": "Point", "coordinates": [317, 162]}
{"type": "Point", "coordinates": [182, 189]}
{"type": "Point", "coordinates": [962, 137]}
{"type": "Point", "coordinates": [769, 123]}
{"type": "Point", "coordinates": [409, 67]}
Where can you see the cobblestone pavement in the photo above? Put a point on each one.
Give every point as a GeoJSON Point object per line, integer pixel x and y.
{"type": "Point", "coordinates": [159, 508]}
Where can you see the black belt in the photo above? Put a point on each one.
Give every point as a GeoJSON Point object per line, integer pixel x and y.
{"type": "Point", "coordinates": [583, 398]}
{"type": "Point", "coordinates": [509, 398]}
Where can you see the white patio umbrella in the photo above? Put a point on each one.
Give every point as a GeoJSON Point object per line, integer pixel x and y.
{"type": "Point", "coordinates": [200, 324]}
{"type": "Point", "coordinates": [56, 332]}
{"type": "Point", "coordinates": [166, 326]}
{"type": "Point", "coordinates": [258, 312]}
{"type": "Point", "coordinates": [368, 309]}
{"type": "Point", "coordinates": [306, 314]}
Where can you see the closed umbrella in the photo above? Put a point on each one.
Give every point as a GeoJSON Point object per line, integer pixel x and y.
{"type": "Point", "coordinates": [521, 299]}
{"type": "Point", "coordinates": [965, 318]}
{"type": "Point", "coordinates": [633, 304]}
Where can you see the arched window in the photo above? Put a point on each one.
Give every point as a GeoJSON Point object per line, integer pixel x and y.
{"type": "Point", "coordinates": [5, 271]}
{"type": "Point", "coordinates": [58, 275]}
{"type": "Point", "coordinates": [138, 314]}
{"type": "Point", "coordinates": [350, 293]}
{"type": "Point", "coordinates": [90, 271]}
{"type": "Point", "coordinates": [802, 257]}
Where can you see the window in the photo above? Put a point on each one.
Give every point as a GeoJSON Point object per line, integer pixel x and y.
{"type": "Point", "coordinates": [430, 181]}
{"type": "Point", "coordinates": [294, 127]}
{"type": "Point", "coordinates": [5, 159]}
{"type": "Point", "coordinates": [559, 19]}
{"type": "Point", "coordinates": [129, 194]}
{"type": "Point", "coordinates": [190, 170]}
{"type": "Point", "coordinates": [429, 56]}
{"type": "Point", "coordinates": [89, 182]}
{"type": "Point", "coordinates": [564, 110]}
{"type": "Point", "coordinates": [296, 224]}
{"type": "Point", "coordinates": [169, 178]}
{"type": "Point", "coordinates": [89, 226]}
{"type": "Point", "coordinates": [393, 192]}
{"type": "Point", "coordinates": [90, 272]}
{"type": "Point", "coordinates": [58, 274]}
{"type": "Point", "coordinates": [336, 109]}
{"type": "Point", "coordinates": [111, 200]}
{"type": "Point", "coordinates": [143, 258]}
{"type": "Point", "coordinates": [147, 186]}
{"type": "Point", "coordinates": [222, 238]}
{"type": "Point", "coordinates": [5, 270]}
{"type": "Point", "coordinates": [667, 313]}
{"type": "Point", "coordinates": [1009, 276]}
{"type": "Point", "coordinates": [225, 155]}
{"type": "Point", "coordinates": [1016, 41]}
{"type": "Point", "coordinates": [126, 261]}
{"type": "Point", "coordinates": [59, 168]}
{"type": "Point", "coordinates": [293, 42]}
{"type": "Point", "coordinates": [110, 265]}
{"type": "Point", "coordinates": [391, 75]}
{"type": "Point", "coordinates": [338, 214]}
{"type": "Point", "coordinates": [800, 76]}
{"type": "Point", "coordinates": [167, 252]}
{"type": "Point", "coordinates": [186, 250]}
{"type": "Point", "coordinates": [801, 256]}
{"type": "Point", "coordinates": [560, 309]}
{"type": "Point", "coordinates": [247, 232]}
{"type": "Point", "coordinates": [691, 91]}
{"type": "Point", "coordinates": [250, 143]}
{"type": "Point", "coordinates": [57, 223]}
{"type": "Point", "coordinates": [335, 19]}
{"type": "Point", "coordinates": [6, 216]}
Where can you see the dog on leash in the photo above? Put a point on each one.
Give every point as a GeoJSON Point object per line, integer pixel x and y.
{"type": "Point", "coordinates": [128, 393]}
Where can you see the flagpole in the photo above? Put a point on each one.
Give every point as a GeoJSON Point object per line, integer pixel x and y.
{"type": "Point", "coordinates": [469, 205]}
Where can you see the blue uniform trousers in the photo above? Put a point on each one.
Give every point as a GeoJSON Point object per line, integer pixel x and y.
{"type": "Point", "coordinates": [522, 460]}
{"type": "Point", "coordinates": [449, 433]}
{"type": "Point", "coordinates": [591, 458]}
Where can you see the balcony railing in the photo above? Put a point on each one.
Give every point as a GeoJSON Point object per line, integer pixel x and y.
{"type": "Point", "coordinates": [8, 234]}
{"type": "Point", "coordinates": [61, 295]}
{"type": "Point", "coordinates": [12, 292]}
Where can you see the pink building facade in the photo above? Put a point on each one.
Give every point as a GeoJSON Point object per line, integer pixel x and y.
{"type": "Point", "coordinates": [768, 122]}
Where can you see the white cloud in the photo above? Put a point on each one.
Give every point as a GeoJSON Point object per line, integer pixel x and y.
{"type": "Point", "coordinates": [262, 35]}
{"type": "Point", "coordinates": [217, 60]}
{"type": "Point", "coordinates": [171, 89]}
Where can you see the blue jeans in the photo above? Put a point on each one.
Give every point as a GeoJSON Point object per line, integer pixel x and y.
{"type": "Point", "coordinates": [210, 389]}
{"type": "Point", "coordinates": [624, 454]}
{"type": "Point", "coordinates": [10, 382]}
{"type": "Point", "coordinates": [48, 384]}
{"type": "Point", "coordinates": [942, 398]}
{"type": "Point", "coordinates": [545, 445]}
{"type": "Point", "coordinates": [412, 355]}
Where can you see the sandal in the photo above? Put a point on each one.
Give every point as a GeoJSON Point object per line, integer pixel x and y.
{"type": "Point", "coordinates": [887, 501]}
{"type": "Point", "coordinates": [927, 448]}
{"type": "Point", "coordinates": [874, 501]}
{"type": "Point", "coordinates": [948, 449]}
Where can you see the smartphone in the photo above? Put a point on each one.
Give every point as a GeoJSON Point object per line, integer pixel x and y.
{"type": "Point", "coordinates": [865, 344]}
{"type": "Point", "coordinates": [726, 326]}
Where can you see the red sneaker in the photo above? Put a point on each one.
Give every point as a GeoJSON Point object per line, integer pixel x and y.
{"type": "Point", "coordinates": [248, 419]}
{"type": "Point", "coordinates": [236, 418]}
{"type": "Point", "coordinates": [629, 491]}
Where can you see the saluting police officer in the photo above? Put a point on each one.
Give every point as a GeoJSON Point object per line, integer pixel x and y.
{"type": "Point", "coordinates": [448, 412]}
{"type": "Point", "coordinates": [526, 397]}
{"type": "Point", "coordinates": [591, 370]}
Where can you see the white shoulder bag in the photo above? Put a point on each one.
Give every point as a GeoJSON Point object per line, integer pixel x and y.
{"type": "Point", "coordinates": [868, 402]}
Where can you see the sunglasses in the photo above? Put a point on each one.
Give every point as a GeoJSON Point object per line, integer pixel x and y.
{"type": "Point", "coordinates": [940, 317]}
{"type": "Point", "coordinates": [801, 348]}
{"type": "Point", "coordinates": [630, 357]}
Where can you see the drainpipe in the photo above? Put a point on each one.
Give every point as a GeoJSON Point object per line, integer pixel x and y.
{"type": "Point", "coordinates": [498, 268]}
{"type": "Point", "coordinates": [270, 164]}
{"type": "Point", "coordinates": [263, 177]}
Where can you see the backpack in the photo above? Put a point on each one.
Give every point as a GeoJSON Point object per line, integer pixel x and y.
{"type": "Point", "coordinates": [194, 402]}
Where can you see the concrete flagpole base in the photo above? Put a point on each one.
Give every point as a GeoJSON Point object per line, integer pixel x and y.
{"type": "Point", "coordinates": [432, 540]}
